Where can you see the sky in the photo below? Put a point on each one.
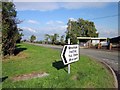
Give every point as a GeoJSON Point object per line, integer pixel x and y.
{"type": "Point", "coordinates": [40, 18]}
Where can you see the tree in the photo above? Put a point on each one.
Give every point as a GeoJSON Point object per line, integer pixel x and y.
{"type": "Point", "coordinates": [47, 37]}
{"type": "Point", "coordinates": [62, 39]}
{"type": "Point", "coordinates": [10, 31]}
{"type": "Point", "coordinates": [80, 28]}
{"type": "Point", "coordinates": [52, 38]}
{"type": "Point", "coordinates": [55, 36]}
{"type": "Point", "coordinates": [32, 38]}
{"type": "Point", "coordinates": [19, 35]}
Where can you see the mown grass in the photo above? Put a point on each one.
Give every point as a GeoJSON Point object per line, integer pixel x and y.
{"type": "Point", "coordinates": [86, 73]}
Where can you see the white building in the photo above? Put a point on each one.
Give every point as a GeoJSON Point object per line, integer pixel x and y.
{"type": "Point", "coordinates": [88, 41]}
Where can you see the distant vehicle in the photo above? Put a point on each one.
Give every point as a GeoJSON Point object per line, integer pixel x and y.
{"type": "Point", "coordinates": [104, 43]}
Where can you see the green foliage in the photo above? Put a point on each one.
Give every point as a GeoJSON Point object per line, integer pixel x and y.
{"type": "Point", "coordinates": [19, 36]}
{"type": "Point", "coordinates": [80, 28]}
{"type": "Point", "coordinates": [52, 38]}
{"type": "Point", "coordinates": [47, 37]}
{"type": "Point", "coordinates": [62, 39]}
{"type": "Point", "coordinates": [108, 39]}
{"type": "Point", "coordinates": [40, 42]}
{"type": "Point", "coordinates": [32, 38]}
{"type": "Point", "coordinates": [10, 32]}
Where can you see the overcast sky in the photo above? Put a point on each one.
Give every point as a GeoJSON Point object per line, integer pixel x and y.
{"type": "Point", "coordinates": [41, 18]}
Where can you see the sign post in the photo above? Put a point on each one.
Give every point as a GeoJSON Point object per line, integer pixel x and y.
{"type": "Point", "coordinates": [70, 53]}
{"type": "Point", "coordinates": [68, 64]}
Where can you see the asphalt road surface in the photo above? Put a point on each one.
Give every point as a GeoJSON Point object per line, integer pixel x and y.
{"type": "Point", "coordinates": [110, 57]}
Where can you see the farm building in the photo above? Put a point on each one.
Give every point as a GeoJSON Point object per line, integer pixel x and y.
{"type": "Point", "coordinates": [90, 41]}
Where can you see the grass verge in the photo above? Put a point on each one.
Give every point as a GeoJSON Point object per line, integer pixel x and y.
{"type": "Point", "coordinates": [85, 73]}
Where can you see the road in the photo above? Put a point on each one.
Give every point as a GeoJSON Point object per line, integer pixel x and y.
{"type": "Point", "coordinates": [110, 57]}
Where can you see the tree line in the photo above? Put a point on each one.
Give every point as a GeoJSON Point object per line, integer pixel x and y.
{"type": "Point", "coordinates": [49, 39]}
{"type": "Point", "coordinates": [53, 39]}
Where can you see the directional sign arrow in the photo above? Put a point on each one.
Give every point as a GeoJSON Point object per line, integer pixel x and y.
{"type": "Point", "coordinates": [64, 54]}
{"type": "Point", "coordinates": [70, 53]}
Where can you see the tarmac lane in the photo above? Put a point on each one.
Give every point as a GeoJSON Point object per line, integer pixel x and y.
{"type": "Point", "coordinates": [110, 57]}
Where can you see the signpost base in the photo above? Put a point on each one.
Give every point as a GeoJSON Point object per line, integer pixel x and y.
{"type": "Point", "coordinates": [68, 68]}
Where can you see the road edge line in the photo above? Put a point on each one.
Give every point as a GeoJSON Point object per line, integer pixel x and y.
{"type": "Point", "coordinates": [113, 73]}
{"type": "Point", "coordinates": [110, 68]}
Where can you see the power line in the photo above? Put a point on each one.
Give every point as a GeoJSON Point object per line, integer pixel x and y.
{"type": "Point", "coordinates": [104, 17]}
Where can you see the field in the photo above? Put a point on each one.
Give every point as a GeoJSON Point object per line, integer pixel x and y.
{"type": "Point", "coordinates": [85, 73]}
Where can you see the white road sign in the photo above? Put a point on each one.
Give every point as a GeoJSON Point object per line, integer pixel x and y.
{"type": "Point", "coordinates": [70, 53]}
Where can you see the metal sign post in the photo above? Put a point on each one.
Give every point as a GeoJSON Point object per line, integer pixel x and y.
{"type": "Point", "coordinates": [68, 64]}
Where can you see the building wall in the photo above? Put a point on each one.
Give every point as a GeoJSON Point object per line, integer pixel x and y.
{"type": "Point", "coordinates": [94, 42]}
